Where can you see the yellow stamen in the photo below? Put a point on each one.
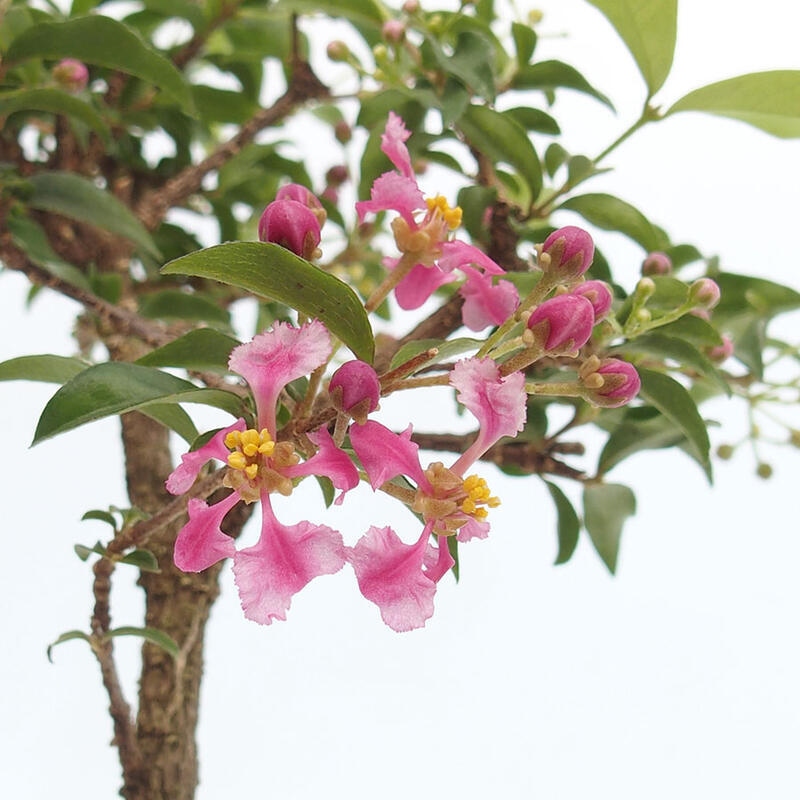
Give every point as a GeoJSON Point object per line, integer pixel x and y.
{"type": "Point", "coordinates": [451, 215]}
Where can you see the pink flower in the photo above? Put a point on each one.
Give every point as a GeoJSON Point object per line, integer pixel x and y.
{"type": "Point", "coordinates": [285, 558]}
{"type": "Point", "coordinates": [449, 503]}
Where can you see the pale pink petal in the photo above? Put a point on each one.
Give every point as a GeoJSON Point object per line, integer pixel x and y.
{"type": "Point", "coordinates": [330, 461]}
{"type": "Point", "coordinates": [277, 357]}
{"type": "Point", "coordinates": [393, 143]}
{"type": "Point", "coordinates": [438, 561]}
{"type": "Point", "coordinates": [487, 303]}
{"type": "Point", "coordinates": [420, 283]}
{"type": "Point", "coordinates": [473, 530]}
{"type": "Point", "coordinates": [458, 255]}
{"type": "Point", "coordinates": [185, 474]}
{"type": "Point", "coordinates": [385, 454]}
{"type": "Point", "coordinates": [201, 542]}
{"type": "Point", "coordinates": [498, 404]}
{"type": "Point", "coordinates": [282, 562]}
{"type": "Point", "coordinates": [390, 574]}
{"type": "Point", "coordinates": [393, 192]}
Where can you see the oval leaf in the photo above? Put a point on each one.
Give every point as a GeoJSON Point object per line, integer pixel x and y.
{"type": "Point", "coordinates": [54, 101]}
{"type": "Point", "coordinates": [103, 41]}
{"type": "Point", "coordinates": [274, 272]}
{"type": "Point", "coordinates": [44, 368]}
{"type": "Point", "coordinates": [648, 29]}
{"type": "Point", "coordinates": [675, 403]}
{"type": "Point", "coordinates": [152, 635]}
{"type": "Point", "coordinates": [65, 637]}
{"type": "Point", "coordinates": [767, 100]}
{"type": "Point", "coordinates": [200, 349]}
{"type": "Point", "coordinates": [569, 525]}
{"type": "Point", "coordinates": [115, 388]}
{"type": "Point", "coordinates": [78, 198]}
{"type": "Point", "coordinates": [549, 75]}
{"type": "Point", "coordinates": [606, 506]}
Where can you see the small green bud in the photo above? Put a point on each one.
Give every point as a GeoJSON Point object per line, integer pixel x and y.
{"type": "Point", "coordinates": [725, 451]}
{"type": "Point", "coordinates": [764, 471]}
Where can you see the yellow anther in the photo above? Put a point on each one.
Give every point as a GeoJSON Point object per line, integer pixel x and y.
{"type": "Point", "coordinates": [480, 513]}
{"type": "Point", "coordinates": [237, 460]}
{"type": "Point", "coordinates": [251, 470]}
{"type": "Point", "coordinates": [493, 502]}
{"type": "Point", "coordinates": [439, 205]}
{"type": "Point", "coordinates": [468, 507]}
{"type": "Point", "coordinates": [249, 449]}
{"type": "Point", "coordinates": [232, 439]}
{"type": "Point", "coordinates": [267, 448]}
{"type": "Point", "coordinates": [250, 436]}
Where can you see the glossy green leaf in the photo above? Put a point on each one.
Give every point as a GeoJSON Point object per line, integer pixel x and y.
{"type": "Point", "coordinates": [66, 637]}
{"type": "Point", "coordinates": [30, 237]}
{"type": "Point", "coordinates": [54, 101]}
{"type": "Point", "coordinates": [172, 416]}
{"type": "Point", "coordinates": [171, 304]}
{"type": "Point", "coordinates": [675, 403]}
{"type": "Point", "coordinates": [44, 368]}
{"type": "Point", "coordinates": [101, 516]}
{"type": "Point", "coordinates": [612, 214]}
{"type": "Point", "coordinates": [152, 635]}
{"type": "Point", "coordinates": [769, 101]}
{"type": "Point", "coordinates": [200, 349]}
{"type": "Point", "coordinates": [143, 559]}
{"type": "Point", "coordinates": [534, 119]}
{"type": "Point", "coordinates": [649, 29]}
{"type": "Point", "coordinates": [78, 198]}
{"type": "Point", "coordinates": [606, 507]}
{"type": "Point", "coordinates": [524, 41]}
{"type": "Point", "coordinates": [103, 41]}
{"type": "Point", "coordinates": [271, 271]}
{"type": "Point", "coordinates": [550, 75]}
{"type": "Point", "coordinates": [746, 295]}
{"type": "Point", "coordinates": [503, 139]}
{"type": "Point", "coordinates": [115, 388]}
{"type": "Point", "coordinates": [569, 525]}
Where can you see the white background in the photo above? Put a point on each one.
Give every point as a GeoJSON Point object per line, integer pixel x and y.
{"type": "Point", "coordinates": [676, 678]}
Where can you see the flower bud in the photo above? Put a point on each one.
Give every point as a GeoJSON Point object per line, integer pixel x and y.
{"type": "Point", "coordinates": [616, 383]}
{"type": "Point", "coordinates": [562, 324]}
{"type": "Point", "coordinates": [411, 6]}
{"type": "Point", "coordinates": [764, 470]}
{"type": "Point", "coordinates": [393, 31]}
{"type": "Point", "coordinates": [292, 225]}
{"type": "Point", "coordinates": [704, 293]}
{"type": "Point", "coordinates": [567, 253]}
{"type": "Point", "coordinates": [725, 452]}
{"type": "Point", "coordinates": [71, 74]}
{"type": "Point", "coordinates": [657, 263]}
{"type": "Point", "coordinates": [337, 50]}
{"type": "Point", "coordinates": [343, 132]}
{"type": "Point", "coordinates": [598, 294]}
{"type": "Point", "coordinates": [355, 389]}
{"type": "Point", "coordinates": [721, 352]}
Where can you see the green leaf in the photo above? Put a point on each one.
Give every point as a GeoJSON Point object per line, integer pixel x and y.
{"type": "Point", "coordinates": [745, 295]}
{"type": "Point", "coordinates": [143, 559]}
{"type": "Point", "coordinates": [606, 506]}
{"type": "Point", "coordinates": [44, 368]}
{"type": "Point", "coordinates": [200, 349]}
{"type": "Point", "coordinates": [769, 101]}
{"type": "Point", "coordinates": [115, 388]}
{"type": "Point", "coordinates": [152, 635]}
{"type": "Point", "coordinates": [172, 416]}
{"type": "Point", "coordinates": [65, 637]}
{"type": "Point", "coordinates": [649, 29]}
{"type": "Point", "coordinates": [524, 41]}
{"type": "Point", "coordinates": [274, 272]}
{"type": "Point", "coordinates": [675, 403]}
{"type": "Point", "coordinates": [78, 198]}
{"type": "Point", "coordinates": [103, 41]}
{"type": "Point", "coordinates": [102, 516]}
{"type": "Point", "coordinates": [170, 304]}
{"type": "Point", "coordinates": [549, 75]}
{"type": "Point", "coordinates": [534, 119]}
{"type": "Point", "coordinates": [503, 139]}
{"type": "Point", "coordinates": [83, 552]}
{"type": "Point", "coordinates": [569, 525]}
{"type": "Point", "coordinates": [612, 214]}
{"type": "Point", "coordinates": [54, 101]}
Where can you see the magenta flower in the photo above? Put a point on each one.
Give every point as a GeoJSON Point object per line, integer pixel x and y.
{"type": "Point", "coordinates": [285, 558]}
{"type": "Point", "coordinates": [422, 232]}
{"type": "Point", "coordinates": [449, 503]}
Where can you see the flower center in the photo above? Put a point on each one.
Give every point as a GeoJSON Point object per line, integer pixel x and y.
{"type": "Point", "coordinates": [256, 462]}
{"type": "Point", "coordinates": [424, 239]}
{"type": "Point", "coordinates": [453, 501]}
{"type": "Point", "coordinates": [438, 207]}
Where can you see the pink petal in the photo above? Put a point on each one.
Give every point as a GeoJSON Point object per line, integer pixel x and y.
{"type": "Point", "coordinates": [473, 530]}
{"type": "Point", "coordinates": [486, 303]}
{"type": "Point", "coordinates": [498, 404]}
{"type": "Point", "coordinates": [281, 563]}
{"type": "Point", "coordinates": [277, 357]}
{"type": "Point", "coordinates": [458, 255]}
{"type": "Point", "coordinates": [390, 574]}
{"type": "Point", "coordinates": [330, 461]}
{"type": "Point", "coordinates": [393, 140]}
{"type": "Point", "coordinates": [201, 541]}
{"type": "Point", "coordinates": [420, 283]}
{"type": "Point", "coordinates": [385, 454]}
{"type": "Point", "coordinates": [393, 192]}
{"type": "Point", "coordinates": [185, 474]}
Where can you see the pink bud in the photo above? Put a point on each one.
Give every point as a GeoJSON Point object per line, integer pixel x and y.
{"type": "Point", "coordinates": [562, 323]}
{"type": "Point", "coordinates": [355, 389]}
{"type": "Point", "coordinates": [723, 351]}
{"type": "Point", "coordinates": [291, 225]}
{"type": "Point", "coordinates": [393, 31]}
{"type": "Point", "coordinates": [704, 293]}
{"type": "Point", "coordinates": [569, 252]}
{"type": "Point", "coordinates": [71, 74]}
{"type": "Point", "coordinates": [411, 6]}
{"type": "Point", "coordinates": [598, 294]}
{"type": "Point", "coordinates": [657, 263]}
{"type": "Point", "coordinates": [620, 383]}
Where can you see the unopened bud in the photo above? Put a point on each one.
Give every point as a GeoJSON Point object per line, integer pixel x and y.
{"type": "Point", "coordinates": [704, 293]}
{"type": "Point", "coordinates": [337, 50]}
{"type": "Point", "coordinates": [657, 263]}
{"type": "Point", "coordinates": [598, 294]}
{"type": "Point", "coordinates": [411, 6]}
{"type": "Point", "coordinates": [725, 451]}
{"type": "Point", "coordinates": [620, 383]}
{"type": "Point", "coordinates": [393, 31]}
{"type": "Point", "coordinates": [570, 251]}
{"type": "Point", "coordinates": [562, 324]}
{"type": "Point", "coordinates": [764, 470]}
{"type": "Point", "coordinates": [292, 224]}
{"type": "Point", "coordinates": [71, 74]}
{"type": "Point", "coordinates": [721, 352]}
{"type": "Point", "coordinates": [355, 389]}
{"type": "Point", "coordinates": [343, 132]}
